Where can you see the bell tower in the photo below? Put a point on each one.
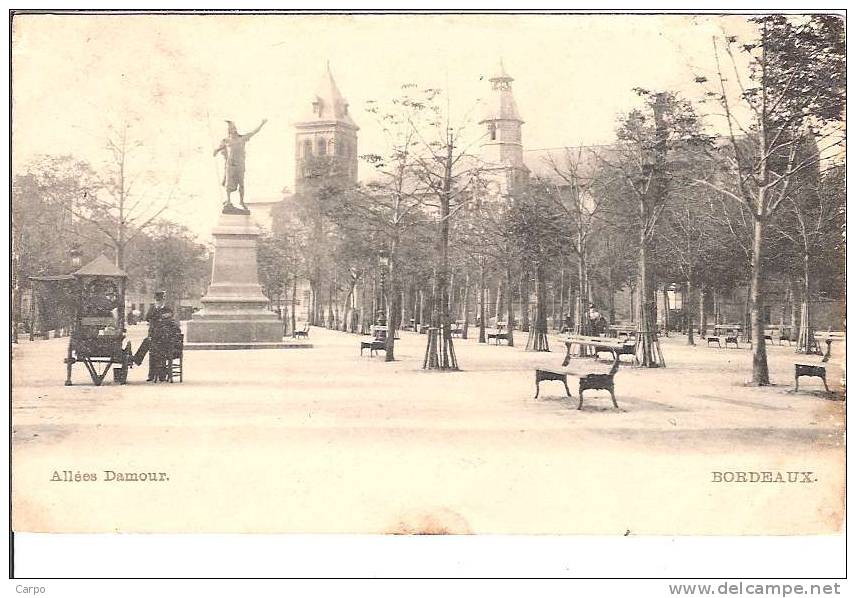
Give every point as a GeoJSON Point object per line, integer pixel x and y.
{"type": "Point", "coordinates": [502, 145]}
{"type": "Point", "coordinates": [326, 138]}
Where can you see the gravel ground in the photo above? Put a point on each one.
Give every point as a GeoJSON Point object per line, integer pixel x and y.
{"type": "Point", "coordinates": [323, 440]}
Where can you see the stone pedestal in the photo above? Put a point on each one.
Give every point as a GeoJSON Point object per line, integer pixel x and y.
{"type": "Point", "coordinates": [234, 313]}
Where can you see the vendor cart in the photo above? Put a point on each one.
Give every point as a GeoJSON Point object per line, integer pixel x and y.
{"type": "Point", "coordinates": [96, 340]}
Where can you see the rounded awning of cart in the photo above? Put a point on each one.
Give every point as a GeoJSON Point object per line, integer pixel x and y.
{"type": "Point", "coordinates": [101, 266]}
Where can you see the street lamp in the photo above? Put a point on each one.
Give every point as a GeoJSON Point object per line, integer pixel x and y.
{"type": "Point", "coordinates": [75, 254]}
{"type": "Point", "coordinates": [383, 260]}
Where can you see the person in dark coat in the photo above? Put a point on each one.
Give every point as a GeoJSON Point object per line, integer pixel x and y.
{"type": "Point", "coordinates": [162, 329]}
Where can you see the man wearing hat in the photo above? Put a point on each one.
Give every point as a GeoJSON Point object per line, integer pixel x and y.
{"type": "Point", "coordinates": [161, 325]}
{"type": "Point", "coordinates": [233, 148]}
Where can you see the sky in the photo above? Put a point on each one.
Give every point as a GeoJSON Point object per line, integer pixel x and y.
{"type": "Point", "coordinates": [174, 79]}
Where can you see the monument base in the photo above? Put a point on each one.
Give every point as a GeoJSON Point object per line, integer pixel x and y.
{"type": "Point", "coordinates": [234, 313]}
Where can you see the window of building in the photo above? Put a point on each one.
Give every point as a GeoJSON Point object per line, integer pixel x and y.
{"type": "Point", "coordinates": [322, 146]}
{"type": "Point", "coordinates": [491, 129]}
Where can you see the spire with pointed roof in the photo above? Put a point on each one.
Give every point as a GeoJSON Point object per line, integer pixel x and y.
{"type": "Point", "coordinates": [328, 103]}
{"type": "Point", "coordinates": [502, 148]}
{"type": "Point", "coordinates": [327, 132]}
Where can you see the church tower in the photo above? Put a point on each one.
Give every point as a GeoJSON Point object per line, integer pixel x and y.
{"type": "Point", "coordinates": [326, 138]}
{"type": "Point", "coordinates": [502, 148]}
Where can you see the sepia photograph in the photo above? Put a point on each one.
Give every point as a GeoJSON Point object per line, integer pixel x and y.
{"type": "Point", "coordinates": [418, 274]}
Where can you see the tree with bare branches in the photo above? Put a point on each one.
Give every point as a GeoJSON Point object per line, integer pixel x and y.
{"type": "Point", "coordinates": [448, 174]}
{"type": "Point", "coordinates": [794, 89]}
{"type": "Point", "coordinates": [653, 145]}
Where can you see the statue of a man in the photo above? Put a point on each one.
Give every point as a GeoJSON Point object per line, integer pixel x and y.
{"type": "Point", "coordinates": [233, 149]}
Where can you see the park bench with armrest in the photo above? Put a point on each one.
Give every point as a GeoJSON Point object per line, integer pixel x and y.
{"type": "Point", "coordinates": [497, 336]}
{"type": "Point", "coordinates": [728, 331]}
{"type": "Point", "coordinates": [378, 341]}
{"type": "Point", "coordinates": [813, 369]}
{"type": "Point", "coordinates": [587, 380]}
{"type": "Point", "coordinates": [373, 346]}
{"type": "Point", "coordinates": [302, 333]}
{"type": "Point", "coordinates": [501, 333]}
{"type": "Point", "coordinates": [781, 333]}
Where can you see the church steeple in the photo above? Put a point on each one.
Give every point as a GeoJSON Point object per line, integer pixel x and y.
{"type": "Point", "coordinates": [326, 133]}
{"type": "Point", "coordinates": [502, 148]}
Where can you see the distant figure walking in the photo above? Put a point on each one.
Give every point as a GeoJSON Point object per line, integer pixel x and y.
{"type": "Point", "coordinates": [233, 148]}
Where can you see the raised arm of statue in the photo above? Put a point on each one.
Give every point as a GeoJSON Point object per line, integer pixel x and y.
{"type": "Point", "coordinates": [222, 148]}
{"type": "Point", "coordinates": [246, 136]}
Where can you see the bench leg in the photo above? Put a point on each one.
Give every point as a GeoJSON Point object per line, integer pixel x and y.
{"type": "Point", "coordinates": [565, 382]}
{"type": "Point", "coordinates": [612, 394]}
{"type": "Point", "coordinates": [537, 385]}
{"type": "Point", "coordinates": [824, 383]}
{"type": "Point", "coordinates": [580, 406]}
{"type": "Point", "coordinates": [796, 382]}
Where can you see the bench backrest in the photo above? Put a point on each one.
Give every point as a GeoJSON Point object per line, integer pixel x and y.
{"type": "Point", "coordinates": [595, 340]}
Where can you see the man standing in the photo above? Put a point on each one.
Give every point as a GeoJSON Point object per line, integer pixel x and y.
{"type": "Point", "coordinates": [233, 147]}
{"type": "Point", "coordinates": [159, 318]}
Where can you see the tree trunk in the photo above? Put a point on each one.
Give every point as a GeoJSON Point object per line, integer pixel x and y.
{"type": "Point", "coordinates": [499, 304]}
{"type": "Point", "coordinates": [747, 316]}
{"type": "Point", "coordinates": [648, 354]}
{"type": "Point", "coordinates": [466, 306]}
{"type": "Point", "coordinates": [795, 318]}
{"type": "Point", "coordinates": [702, 314]}
{"type": "Point", "coordinates": [760, 372]}
{"type": "Point", "coordinates": [633, 302]}
{"type": "Point", "coordinates": [806, 342]}
{"type": "Point", "coordinates": [440, 350]}
{"type": "Point", "coordinates": [482, 299]}
{"type": "Point", "coordinates": [537, 340]}
{"type": "Point", "coordinates": [553, 317]}
{"type": "Point", "coordinates": [610, 298]}
{"type": "Point", "coordinates": [524, 301]}
{"type": "Point", "coordinates": [561, 324]}
{"type": "Point", "coordinates": [393, 307]}
{"type": "Point", "coordinates": [688, 311]}
{"type": "Point", "coordinates": [509, 303]}
{"type": "Point", "coordinates": [717, 307]}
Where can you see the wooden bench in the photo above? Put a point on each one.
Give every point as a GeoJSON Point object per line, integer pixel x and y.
{"type": "Point", "coordinates": [813, 369]}
{"type": "Point", "coordinates": [733, 340]}
{"type": "Point", "coordinates": [623, 349]}
{"type": "Point", "coordinates": [780, 334]}
{"type": "Point", "coordinates": [599, 343]}
{"type": "Point", "coordinates": [807, 369]}
{"type": "Point", "coordinates": [587, 381]}
{"type": "Point", "coordinates": [497, 336]}
{"type": "Point", "coordinates": [302, 333]}
{"type": "Point", "coordinates": [373, 346]}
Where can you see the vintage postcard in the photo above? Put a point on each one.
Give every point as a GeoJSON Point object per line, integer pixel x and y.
{"type": "Point", "coordinates": [540, 274]}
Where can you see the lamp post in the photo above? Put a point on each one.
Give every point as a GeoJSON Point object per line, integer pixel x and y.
{"type": "Point", "coordinates": [383, 260]}
{"type": "Point", "coordinates": [75, 254]}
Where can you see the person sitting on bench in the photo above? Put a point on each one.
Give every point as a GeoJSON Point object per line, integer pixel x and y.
{"type": "Point", "coordinates": [162, 328]}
